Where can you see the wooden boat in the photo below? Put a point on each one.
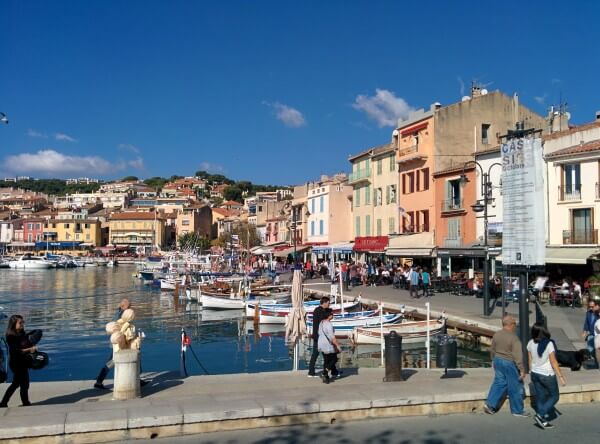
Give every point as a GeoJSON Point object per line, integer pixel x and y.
{"type": "Point", "coordinates": [344, 324]}
{"type": "Point", "coordinates": [228, 303]}
{"type": "Point", "coordinates": [411, 332]}
{"type": "Point", "coordinates": [277, 313]}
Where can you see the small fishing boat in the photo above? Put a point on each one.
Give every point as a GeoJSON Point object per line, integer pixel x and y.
{"type": "Point", "coordinates": [233, 302]}
{"type": "Point", "coordinates": [276, 313]}
{"type": "Point", "coordinates": [28, 261]}
{"type": "Point", "coordinates": [410, 331]}
{"type": "Point", "coordinates": [344, 324]}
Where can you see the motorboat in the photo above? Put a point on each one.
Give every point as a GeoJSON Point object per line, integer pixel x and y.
{"type": "Point", "coordinates": [412, 332]}
{"type": "Point", "coordinates": [29, 261]}
{"type": "Point", "coordinates": [344, 324]}
{"type": "Point", "coordinates": [277, 313]}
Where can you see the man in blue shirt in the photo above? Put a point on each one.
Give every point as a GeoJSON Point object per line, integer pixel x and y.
{"type": "Point", "coordinates": [591, 317]}
{"type": "Point", "coordinates": [413, 280]}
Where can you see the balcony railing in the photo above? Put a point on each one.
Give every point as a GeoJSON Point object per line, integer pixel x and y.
{"type": "Point", "coordinates": [359, 175]}
{"type": "Point", "coordinates": [408, 150]}
{"type": "Point", "coordinates": [569, 192]}
{"type": "Point", "coordinates": [451, 242]}
{"type": "Point", "coordinates": [416, 229]}
{"type": "Point", "coordinates": [452, 204]}
{"type": "Point", "coordinates": [577, 237]}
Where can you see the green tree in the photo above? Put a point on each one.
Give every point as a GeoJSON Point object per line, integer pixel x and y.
{"type": "Point", "coordinates": [244, 231]}
{"type": "Point", "coordinates": [193, 241]}
{"type": "Point", "coordinates": [232, 192]}
{"type": "Point", "coordinates": [129, 179]}
{"type": "Point", "coordinates": [156, 182]}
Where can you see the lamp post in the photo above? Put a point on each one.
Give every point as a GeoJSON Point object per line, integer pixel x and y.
{"type": "Point", "coordinates": [481, 205]}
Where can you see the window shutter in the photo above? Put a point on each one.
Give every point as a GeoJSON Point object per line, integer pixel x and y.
{"type": "Point", "coordinates": [425, 179]}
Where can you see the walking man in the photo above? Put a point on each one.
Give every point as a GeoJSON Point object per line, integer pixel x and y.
{"type": "Point", "coordinates": [413, 283]}
{"type": "Point", "coordinates": [318, 316]}
{"type": "Point", "coordinates": [507, 361]}
{"type": "Point", "coordinates": [426, 279]}
{"type": "Point", "coordinates": [588, 333]}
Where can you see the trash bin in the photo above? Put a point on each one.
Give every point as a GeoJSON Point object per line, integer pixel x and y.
{"type": "Point", "coordinates": [393, 357]}
{"type": "Point", "coordinates": [446, 352]}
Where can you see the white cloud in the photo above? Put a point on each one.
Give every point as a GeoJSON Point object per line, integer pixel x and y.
{"type": "Point", "coordinates": [384, 107]}
{"type": "Point", "coordinates": [129, 147]}
{"type": "Point", "coordinates": [52, 162]}
{"type": "Point", "coordinates": [462, 85]}
{"type": "Point", "coordinates": [211, 167]}
{"type": "Point", "coordinates": [541, 99]}
{"type": "Point", "coordinates": [64, 137]}
{"type": "Point", "coordinates": [290, 117]}
{"type": "Point", "coordinates": [34, 133]}
{"type": "Point", "coordinates": [137, 163]}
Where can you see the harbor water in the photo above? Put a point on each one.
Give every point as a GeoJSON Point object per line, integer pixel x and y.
{"type": "Point", "coordinates": [72, 307]}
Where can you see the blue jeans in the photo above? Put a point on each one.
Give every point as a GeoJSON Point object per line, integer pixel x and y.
{"type": "Point", "coordinates": [590, 346]}
{"type": "Point", "coordinates": [546, 395]}
{"type": "Point", "coordinates": [506, 382]}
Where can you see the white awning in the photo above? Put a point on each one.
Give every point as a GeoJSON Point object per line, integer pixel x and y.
{"type": "Point", "coordinates": [411, 245]}
{"type": "Point", "coordinates": [570, 255]}
{"type": "Point", "coordinates": [261, 250]}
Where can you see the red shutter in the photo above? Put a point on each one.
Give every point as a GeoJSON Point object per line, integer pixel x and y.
{"type": "Point", "coordinates": [417, 174]}
{"type": "Point", "coordinates": [403, 183]}
{"type": "Point", "coordinates": [425, 179]}
{"type": "Point", "coordinates": [425, 220]}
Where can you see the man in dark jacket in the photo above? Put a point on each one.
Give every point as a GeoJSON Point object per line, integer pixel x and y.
{"type": "Point", "coordinates": [318, 316]}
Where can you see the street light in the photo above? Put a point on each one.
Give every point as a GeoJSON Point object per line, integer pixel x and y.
{"type": "Point", "coordinates": [479, 206]}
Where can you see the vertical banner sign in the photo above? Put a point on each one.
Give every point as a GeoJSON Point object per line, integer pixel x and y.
{"type": "Point", "coordinates": [523, 237]}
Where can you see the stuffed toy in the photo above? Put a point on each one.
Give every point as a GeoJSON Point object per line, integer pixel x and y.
{"type": "Point", "coordinates": [123, 335]}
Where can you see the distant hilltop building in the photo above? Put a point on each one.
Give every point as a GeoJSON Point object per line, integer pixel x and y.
{"type": "Point", "coordinates": [82, 181]}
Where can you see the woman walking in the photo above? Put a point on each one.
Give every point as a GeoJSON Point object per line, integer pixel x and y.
{"type": "Point", "coordinates": [329, 346]}
{"type": "Point", "coordinates": [18, 347]}
{"type": "Point", "coordinates": [544, 370]}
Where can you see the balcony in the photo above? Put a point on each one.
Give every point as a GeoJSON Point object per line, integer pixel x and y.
{"type": "Point", "coordinates": [579, 237]}
{"type": "Point", "coordinates": [569, 192]}
{"type": "Point", "coordinates": [359, 175]}
{"type": "Point", "coordinates": [451, 242]}
{"type": "Point", "coordinates": [454, 204]}
{"type": "Point", "coordinates": [408, 150]}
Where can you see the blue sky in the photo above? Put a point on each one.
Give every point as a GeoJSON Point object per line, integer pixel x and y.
{"type": "Point", "coordinates": [270, 91]}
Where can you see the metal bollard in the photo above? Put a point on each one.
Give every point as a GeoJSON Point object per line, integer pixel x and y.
{"type": "Point", "coordinates": [393, 357]}
{"type": "Point", "coordinates": [446, 354]}
{"type": "Point", "coordinates": [127, 374]}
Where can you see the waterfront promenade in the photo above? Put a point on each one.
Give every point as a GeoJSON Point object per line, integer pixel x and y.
{"type": "Point", "coordinates": [74, 412]}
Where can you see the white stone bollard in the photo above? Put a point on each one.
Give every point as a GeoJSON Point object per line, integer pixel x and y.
{"type": "Point", "coordinates": [127, 374]}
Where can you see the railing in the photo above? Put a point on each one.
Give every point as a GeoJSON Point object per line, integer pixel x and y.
{"type": "Point", "coordinates": [424, 228]}
{"type": "Point", "coordinates": [569, 192]}
{"type": "Point", "coordinates": [409, 150]}
{"type": "Point", "coordinates": [359, 175]}
{"type": "Point", "coordinates": [576, 237]}
{"type": "Point", "coordinates": [451, 242]}
{"type": "Point", "coordinates": [452, 204]}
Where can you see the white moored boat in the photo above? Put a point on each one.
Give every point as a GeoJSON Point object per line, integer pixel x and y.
{"type": "Point", "coordinates": [411, 332]}
{"type": "Point", "coordinates": [277, 313]}
{"type": "Point", "coordinates": [343, 324]}
{"type": "Point", "coordinates": [28, 261]}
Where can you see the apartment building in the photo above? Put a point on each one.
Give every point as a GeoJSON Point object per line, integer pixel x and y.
{"type": "Point", "coordinates": [137, 229]}
{"type": "Point", "coordinates": [70, 233]}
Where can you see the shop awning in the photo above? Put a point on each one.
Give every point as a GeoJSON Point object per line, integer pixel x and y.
{"type": "Point", "coordinates": [411, 245]}
{"type": "Point", "coordinates": [570, 255]}
{"type": "Point", "coordinates": [343, 248]}
{"type": "Point", "coordinates": [288, 251]}
{"type": "Point", "coordinates": [261, 250]}
{"type": "Point", "coordinates": [22, 244]}
{"type": "Point", "coordinates": [464, 252]}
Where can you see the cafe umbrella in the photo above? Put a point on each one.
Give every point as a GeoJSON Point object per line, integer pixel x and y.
{"type": "Point", "coordinates": [296, 321]}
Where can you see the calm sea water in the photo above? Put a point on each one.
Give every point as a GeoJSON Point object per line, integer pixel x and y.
{"type": "Point", "coordinates": [72, 306]}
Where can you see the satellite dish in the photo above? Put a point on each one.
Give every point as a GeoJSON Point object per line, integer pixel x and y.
{"type": "Point", "coordinates": [484, 92]}
{"type": "Point", "coordinates": [465, 99]}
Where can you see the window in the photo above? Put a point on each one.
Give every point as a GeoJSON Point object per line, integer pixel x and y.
{"type": "Point", "coordinates": [390, 194]}
{"type": "Point", "coordinates": [185, 222]}
{"type": "Point", "coordinates": [29, 237]}
{"type": "Point", "coordinates": [392, 163]}
{"type": "Point", "coordinates": [357, 198]}
{"type": "Point", "coordinates": [367, 195]}
{"type": "Point", "coordinates": [424, 182]}
{"type": "Point", "coordinates": [86, 225]}
{"type": "Point", "coordinates": [30, 226]}
{"type": "Point", "coordinates": [321, 227]}
{"type": "Point", "coordinates": [379, 167]}
{"type": "Point", "coordinates": [321, 204]}
{"type": "Point", "coordinates": [87, 237]}
{"type": "Point", "coordinates": [53, 225]}
{"type": "Point", "coordinates": [312, 206]}
{"type": "Point", "coordinates": [67, 225]}
{"type": "Point", "coordinates": [485, 129]}
{"type": "Point", "coordinates": [408, 222]}
{"type": "Point", "coordinates": [454, 228]}
{"type": "Point", "coordinates": [378, 225]}
{"type": "Point", "coordinates": [38, 226]}
{"type": "Point", "coordinates": [357, 226]}
{"type": "Point", "coordinates": [571, 182]}
{"type": "Point", "coordinates": [77, 236]}
{"type": "Point", "coordinates": [378, 197]}
{"type": "Point", "coordinates": [453, 196]}
{"type": "Point", "coordinates": [260, 208]}
{"type": "Point", "coordinates": [367, 225]}
{"type": "Point", "coordinates": [425, 220]}
{"type": "Point", "coordinates": [582, 227]}
{"type": "Point", "coordinates": [391, 225]}
{"type": "Point", "coordinates": [312, 227]}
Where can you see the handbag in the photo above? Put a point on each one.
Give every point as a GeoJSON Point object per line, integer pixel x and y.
{"type": "Point", "coordinates": [37, 360]}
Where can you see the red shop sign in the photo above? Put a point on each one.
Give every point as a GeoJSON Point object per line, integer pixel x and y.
{"type": "Point", "coordinates": [370, 243]}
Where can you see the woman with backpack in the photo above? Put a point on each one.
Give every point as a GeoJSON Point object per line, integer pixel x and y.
{"type": "Point", "coordinates": [544, 370]}
{"type": "Point", "coordinates": [19, 347]}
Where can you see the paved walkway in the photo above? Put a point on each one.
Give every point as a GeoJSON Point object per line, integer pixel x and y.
{"type": "Point", "coordinates": [172, 406]}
